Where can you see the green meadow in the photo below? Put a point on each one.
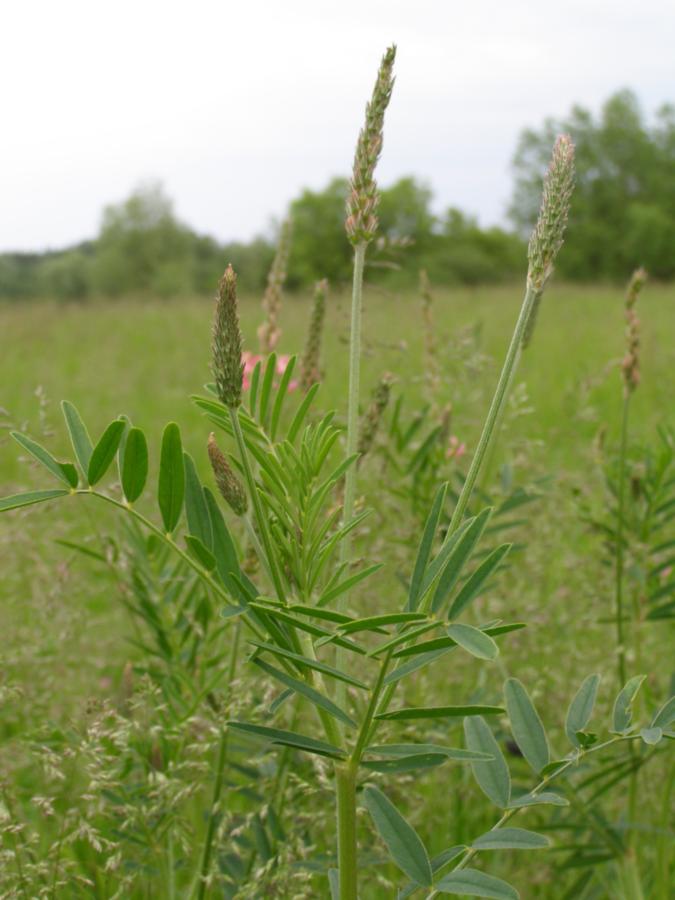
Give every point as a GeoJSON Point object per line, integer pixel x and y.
{"type": "Point", "coordinates": [66, 637]}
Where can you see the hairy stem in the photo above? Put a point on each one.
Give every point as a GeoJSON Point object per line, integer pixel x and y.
{"type": "Point", "coordinates": [352, 429]}
{"type": "Point", "coordinates": [496, 407]}
{"type": "Point", "coordinates": [621, 502]}
{"type": "Point", "coordinates": [345, 787]}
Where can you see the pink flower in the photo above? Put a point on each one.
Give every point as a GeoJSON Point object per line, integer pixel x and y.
{"type": "Point", "coordinates": [251, 360]}
{"type": "Point", "coordinates": [455, 449]}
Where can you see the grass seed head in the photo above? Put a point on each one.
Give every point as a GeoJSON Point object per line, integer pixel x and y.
{"type": "Point", "coordinates": [270, 332]}
{"type": "Point", "coordinates": [311, 371]}
{"type": "Point", "coordinates": [231, 489]}
{"type": "Point", "coordinates": [548, 234]}
{"type": "Point", "coordinates": [373, 416]}
{"type": "Point", "coordinates": [228, 368]}
{"type": "Point", "coordinates": [630, 365]}
{"type": "Point", "coordinates": [361, 222]}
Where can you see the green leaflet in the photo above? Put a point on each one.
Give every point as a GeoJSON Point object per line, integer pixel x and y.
{"type": "Point", "coordinates": [79, 436]}
{"type": "Point", "coordinates": [289, 739]}
{"type": "Point", "coordinates": [622, 713]}
{"type": "Point", "coordinates": [311, 664]}
{"type": "Point", "coordinates": [17, 500]}
{"type": "Point", "coordinates": [474, 641]}
{"type": "Point", "coordinates": [373, 622]}
{"type": "Point", "coordinates": [201, 553]}
{"type": "Point", "coordinates": [665, 716]}
{"type": "Point", "coordinates": [134, 464]}
{"type": "Point", "coordinates": [544, 798]}
{"type": "Point", "coordinates": [459, 557]}
{"type": "Point", "coordinates": [196, 510]}
{"type": "Point", "coordinates": [405, 763]}
{"type": "Point", "coordinates": [104, 452]}
{"type": "Point", "coordinates": [65, 472]}
{"type": "Point", "coordinates": [581, 708]}
{"type": "Point", "coordinates": [440, 712]}
{"type": "Point", "coordinates": [493, 777]}
{"type": "Point", "coordinates": [510, 839]}
{"type": "Point", "coordinates": [403, 842]}
{"type": "Point", "coordinates": [651, 736]}
{"type": "Point", "coordinates": [426, 544]}
{"type": "Point", "coordinates": [476, 884]}
{"type": "Point", "coordinates": [457, 754]}
{"type": "Point", "coordinates": [526, 725]}
{"type": "Point", "coordinates": [472, 586]}
{"type": "Point", "coordinates": [171, 488]}
{"type": "Point", "coordinates": [305, 690]}
{"type": "Point", "coordinates": [437, 862]}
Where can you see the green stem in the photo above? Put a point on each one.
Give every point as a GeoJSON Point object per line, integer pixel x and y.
{"type": "Point", "coordinates": [353, 397]}
{"type": "Point", "coordinates": [621, 500]}
{"type": "Point", "coordinates": [345, 787]}
{"type": "Point", "coordinates": [352, 432]}
{"type": "Point", "coordinates": [471, 852]}
{"type": "Point", "coordinates": [261, 520]}
{"type": "Point", "coordinates": [496, 407]}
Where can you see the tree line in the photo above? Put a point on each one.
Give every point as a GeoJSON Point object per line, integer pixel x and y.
{"type": "Point", "coordinates": [623, 215]}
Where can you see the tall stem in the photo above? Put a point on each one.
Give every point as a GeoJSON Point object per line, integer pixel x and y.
{"type": "Point", "coordinates": [352, 430]}
{"type": "Point", "coordinates": [261, 520]}
{"type": "Point", "coordinates": [496, 407]}
{"type": "Point", "coordinates": [621, 502]}
{"type": "Point", "coordinates": [345, 787]}
{"type": "Point", "coordinates": [353, 397]}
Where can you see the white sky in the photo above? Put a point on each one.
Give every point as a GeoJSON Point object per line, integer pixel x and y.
{"type": "Point", "coordinates": [235, 106]}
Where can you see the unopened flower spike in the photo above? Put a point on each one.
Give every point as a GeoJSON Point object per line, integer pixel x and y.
{"type": "Point", "coordinates": [230, 488]}
{"type": "Point", "coordinates": [361, 222]}
{"type": "Point", "coordinates": [547, 237]}
{"type": "Point", "coordinates": [370, 422]}
{"type": "Point", "coordinates": [630, 365]}
{"type": "Point", "coordinates": [228, 368]}
{"type": "Point", "coordinates": [270, 332]}
{"type": "Point", "coordinates": [311, 369]}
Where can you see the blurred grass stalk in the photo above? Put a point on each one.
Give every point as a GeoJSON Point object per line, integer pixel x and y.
{"type": "Point", "coordinates": [546, 241]}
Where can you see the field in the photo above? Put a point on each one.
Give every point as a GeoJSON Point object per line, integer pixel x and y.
{"type": "Point", "coordinates": [66, 635]}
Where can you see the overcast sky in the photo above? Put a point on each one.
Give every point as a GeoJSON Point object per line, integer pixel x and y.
{"type": "Point", "coordinates": [237, 106]}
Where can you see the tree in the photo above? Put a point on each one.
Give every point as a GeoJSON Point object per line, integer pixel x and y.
{"type": "Point", "coordinates": [623, 208]}
{"type": "Point", "coordinates": [142, 247]}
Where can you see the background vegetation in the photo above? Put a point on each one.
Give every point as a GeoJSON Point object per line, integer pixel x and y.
{"type": "Point", "coordinates": [623, 214]}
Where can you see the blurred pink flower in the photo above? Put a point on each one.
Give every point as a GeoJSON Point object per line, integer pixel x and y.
{"type": "Point", "coordinates": [455, 449]}
{"type": "Point", "coordinates": [251, 360]}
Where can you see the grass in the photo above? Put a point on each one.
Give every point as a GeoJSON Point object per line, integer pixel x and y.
{"type": "Point", "coordinates": [64, 632]}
